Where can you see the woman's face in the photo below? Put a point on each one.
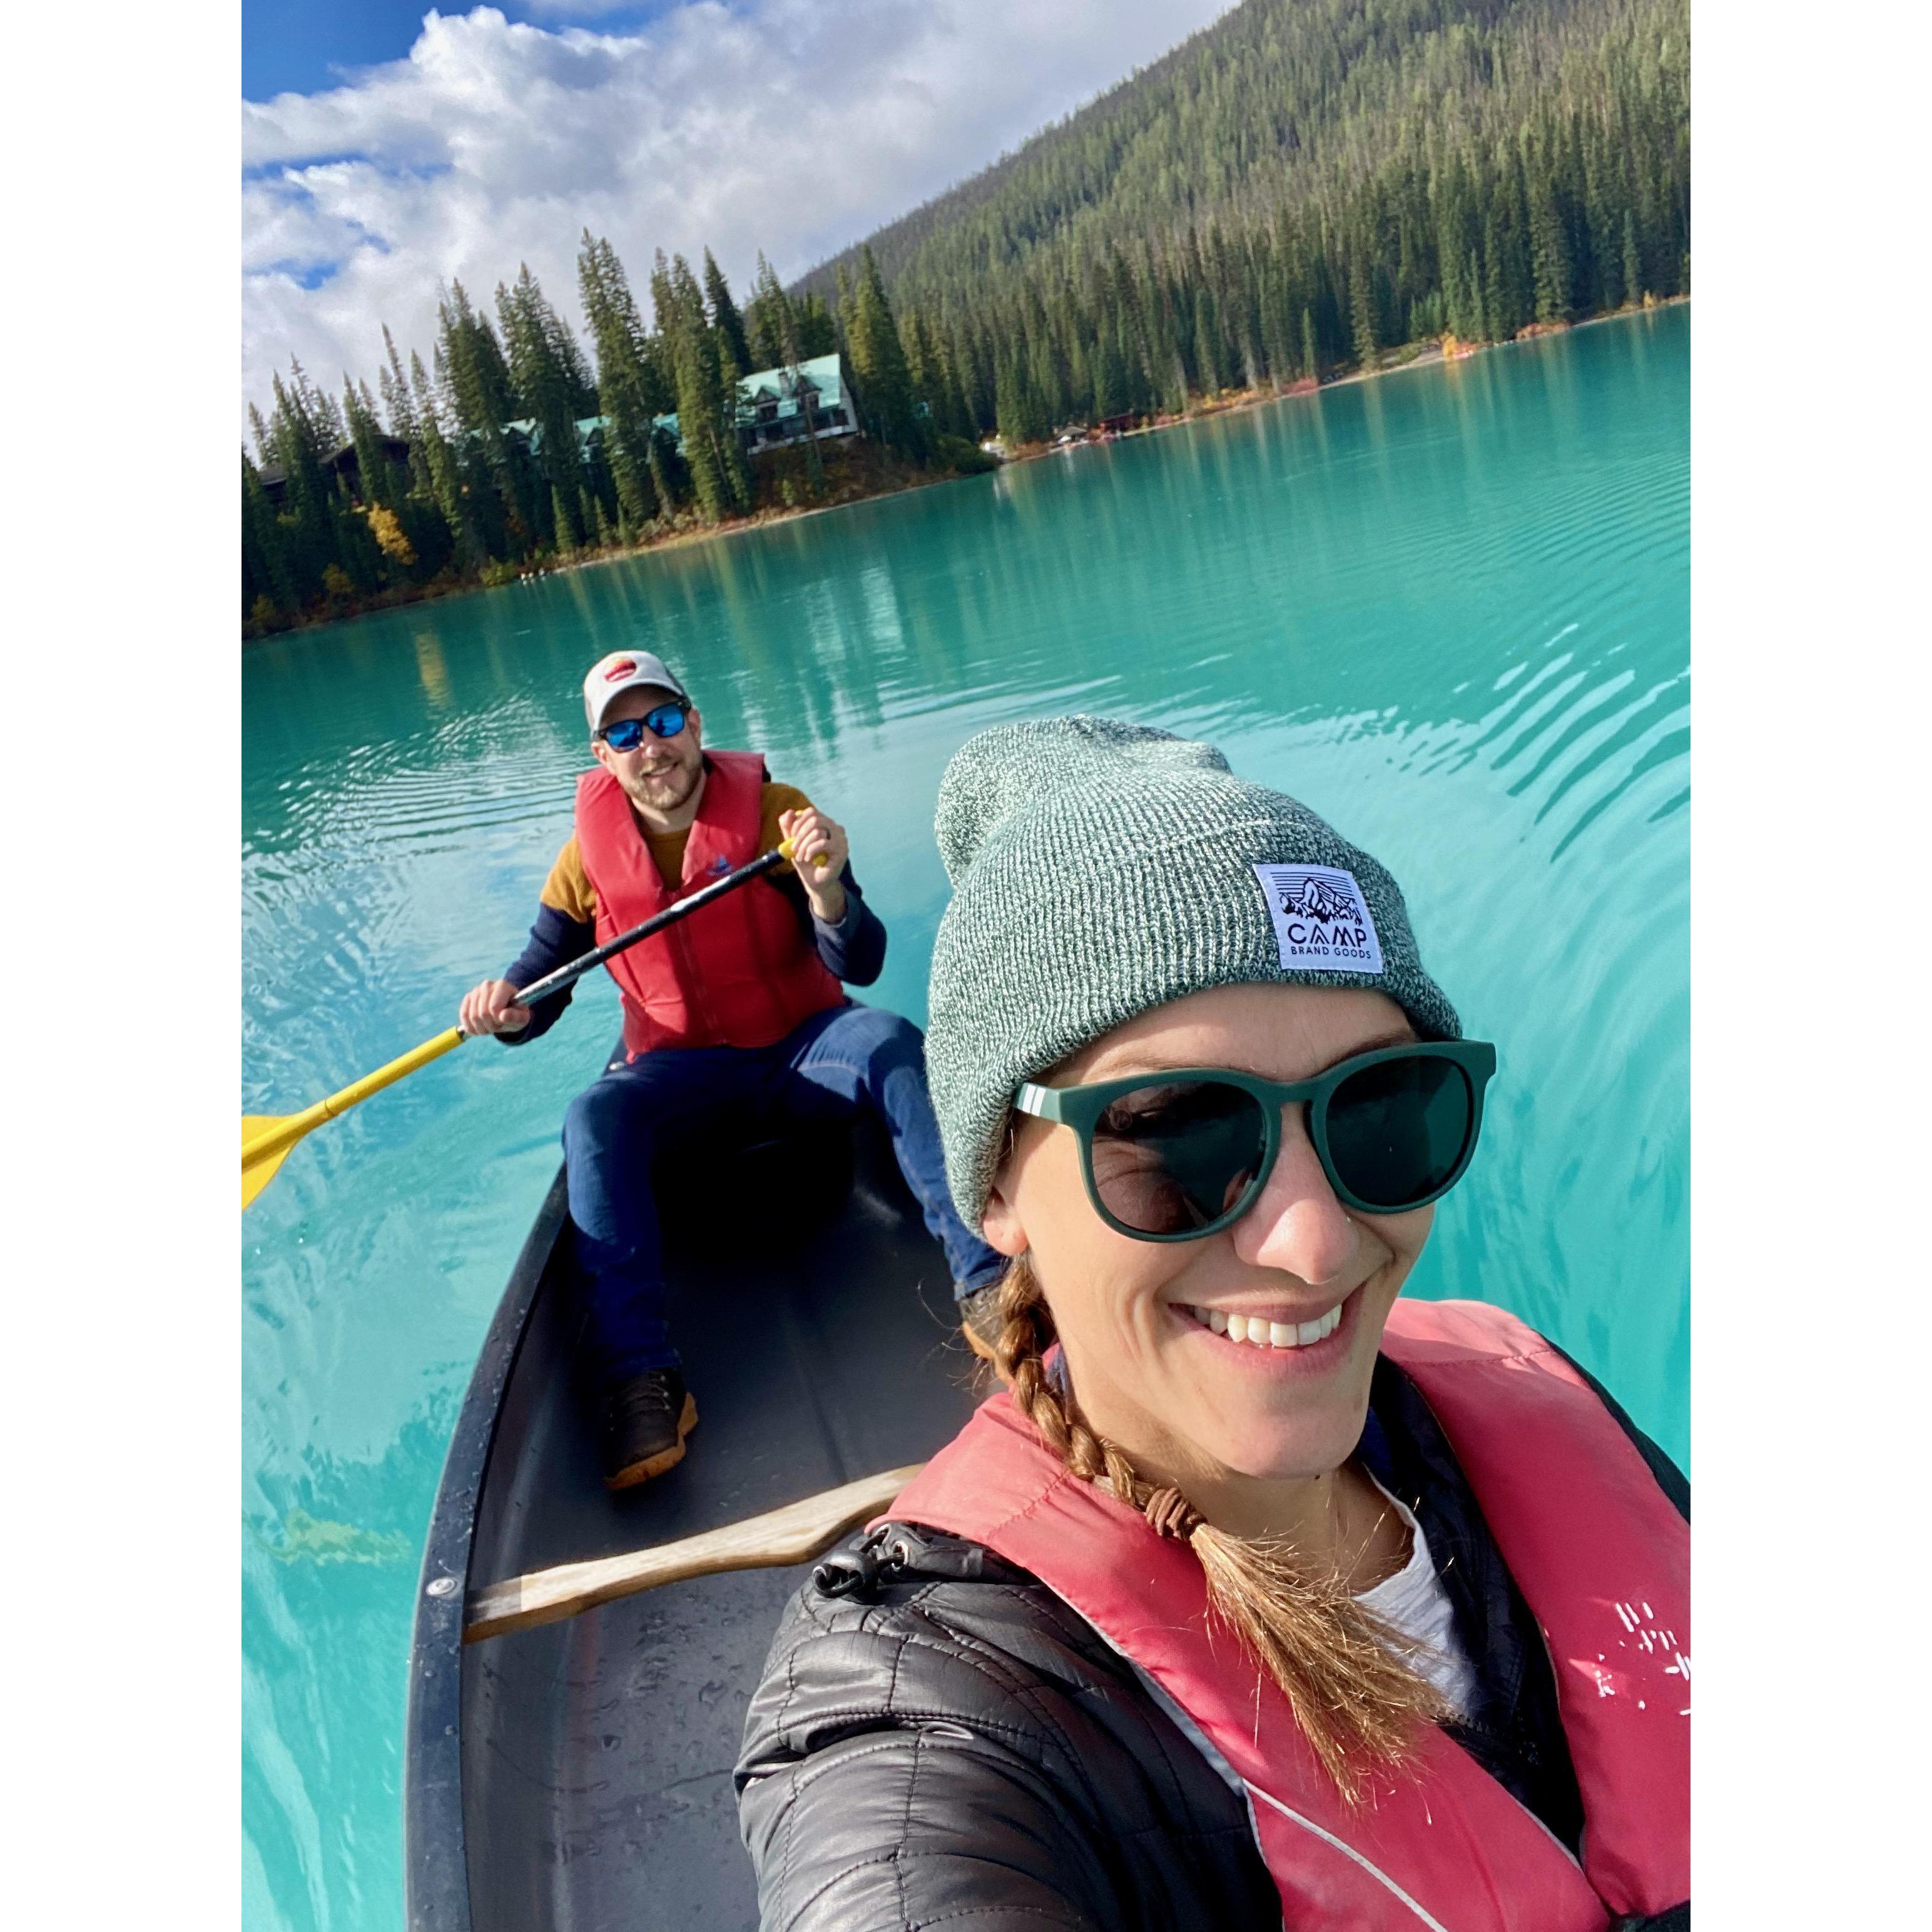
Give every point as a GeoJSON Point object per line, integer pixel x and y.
{"type": "Point", "coordinates": [1150, 1372]}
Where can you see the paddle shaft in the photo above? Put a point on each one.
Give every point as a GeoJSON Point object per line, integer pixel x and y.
{"type": "Point", "coordinates": [568, 976]}
{"type": "Point", "coordinates": [284, 1133]}
{"type": "Point", "coordinates": [793, 1534]}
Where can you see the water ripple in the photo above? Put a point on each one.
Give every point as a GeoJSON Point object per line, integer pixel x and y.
{"type": "Point", "coordinates": [1449, 611]}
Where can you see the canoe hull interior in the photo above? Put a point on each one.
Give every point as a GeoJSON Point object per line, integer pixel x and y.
{"type": "Point", "coordinates": [578, 1774]}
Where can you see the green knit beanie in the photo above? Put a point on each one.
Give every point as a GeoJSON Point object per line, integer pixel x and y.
{"type": "Point", "coordinates": [1100, 868]}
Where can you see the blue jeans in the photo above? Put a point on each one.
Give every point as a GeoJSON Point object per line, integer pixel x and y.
{"type": "Point", "coordinates": [855, 1056]}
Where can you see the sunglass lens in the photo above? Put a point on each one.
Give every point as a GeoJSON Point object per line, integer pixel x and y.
{"type": "Point", "coordinates": [667, 721]}
{"type": "Point", "coordinates": [625, 736]}
{"type": "Point", "coordinates": [1171, 1157]}
{"type": "Point", "coordinates": [1398, 1131]}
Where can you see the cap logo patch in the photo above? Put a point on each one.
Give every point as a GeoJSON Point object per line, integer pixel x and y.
{"type": "Point", "coordinates": [623, 668]}
{"type": "Point", "coordinates": [1321, 921]}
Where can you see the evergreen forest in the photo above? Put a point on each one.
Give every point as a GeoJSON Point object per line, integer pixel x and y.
{"type": "Point", "coordinates": [1302, 189]}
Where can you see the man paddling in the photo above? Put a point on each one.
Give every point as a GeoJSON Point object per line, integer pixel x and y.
{"type": "Point", "coordinates": [742, 1002]}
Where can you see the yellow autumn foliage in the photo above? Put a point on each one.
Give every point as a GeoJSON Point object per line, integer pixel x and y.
{"type": "Point", "coordinates": [389, 535]}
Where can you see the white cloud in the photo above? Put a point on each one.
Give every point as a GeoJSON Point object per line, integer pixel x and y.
{"type": "Point", "coordinates": [794, 126]}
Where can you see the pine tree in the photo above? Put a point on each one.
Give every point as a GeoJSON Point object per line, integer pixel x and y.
{"type": "Point", "coordinates": [1362, 312]}
{"type": "Point", "coordinates": [265, 569]}
{"type": "Point", "coordinates": [706, 406]}
{"type": "Point", "coordinates": [779, 320]}
{"type": "Point", "coordinates": [396, 404]}
{"type": "Point", "coordinates": [446, 484]}
{"type": "Point", "coordinates": [956, 415]}
{"type": "Point", "coordinates": [399, 407]}
{"type": "Point", "coordinates": [917, 348]}
{"type": "Point", "coordinates": [1110, 378]}
{"type": "Point", "coordinates": [1206, 361]}
{"type": "Point", "coordinates": [883, 382]}
{"type": "Point", "coordinates": [627, 387]}
{"type": "Point", "coordinates": [817, 333]}
{"type": "Point", "coordinates": [1550, 255]}
{"type": "Point", "coordinates": [380, 483]}
{"type": "Point", "coordinates": [319, 413]}
{"type": "Point", "coordinates": [1007, 412]}
{"type": "Point", "coordinates": [299, 440]}
{"type": "Point", "coordinates": [729, 324]}
{"type": "Point", "coordinates": [550, 381]}
{"type": "Point", "coordinates": [483, 402]}
{"type": "Point", "coordinates": [1633, 283]}
{"type": "Point", "coordinates": [771, 329]}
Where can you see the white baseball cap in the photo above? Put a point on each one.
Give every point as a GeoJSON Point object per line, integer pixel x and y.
{"type": "Point", "coordinates": [625, 670]}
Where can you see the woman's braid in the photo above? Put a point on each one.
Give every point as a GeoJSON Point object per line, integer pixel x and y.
{"type": "Point", "coordinates": [1026, 1334]}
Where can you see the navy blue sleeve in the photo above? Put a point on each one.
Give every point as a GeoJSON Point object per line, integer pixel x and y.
{"type": "Point", "coordinates": [555, 940]}
{"type": "Point", "coordinates": [853, 950]}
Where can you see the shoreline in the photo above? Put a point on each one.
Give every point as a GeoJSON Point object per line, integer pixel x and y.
{"type": "Point", "coordinates": [1226, 402]}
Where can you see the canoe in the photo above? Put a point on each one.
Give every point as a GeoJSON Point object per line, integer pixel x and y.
{"type": "Point", "coordinates": [578, 1775]}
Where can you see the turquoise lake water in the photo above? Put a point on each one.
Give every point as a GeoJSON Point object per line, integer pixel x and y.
{"type": "Point", "coordinates": [1449, 609]}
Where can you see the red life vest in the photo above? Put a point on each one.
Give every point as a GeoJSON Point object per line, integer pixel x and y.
{"type": "Point", "coordinates": [1599, 1554]}
{"type": "Point", "coordinates": [741, 973]}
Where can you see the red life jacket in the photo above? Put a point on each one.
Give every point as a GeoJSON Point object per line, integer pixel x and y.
{"type": "Point", "coordinates": [741, 973]}
{"type": "Point", "coordinates": [1599, 1554]}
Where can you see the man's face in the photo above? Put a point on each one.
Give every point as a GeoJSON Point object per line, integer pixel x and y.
{"type": "Point", "coordinates": [661, 774]}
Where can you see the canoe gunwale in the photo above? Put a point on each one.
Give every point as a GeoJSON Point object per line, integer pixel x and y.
{"type": "Point", "coordinates": [435, 1855]}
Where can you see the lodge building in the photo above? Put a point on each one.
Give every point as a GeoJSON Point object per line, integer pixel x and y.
{"type": "Point", "coordinates": [777, 408]}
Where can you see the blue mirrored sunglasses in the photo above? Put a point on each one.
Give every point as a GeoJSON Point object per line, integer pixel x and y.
{"type": "Point", "coordinates": [627, 733]}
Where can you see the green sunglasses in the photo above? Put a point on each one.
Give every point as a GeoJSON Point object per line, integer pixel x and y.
{"type": "Point", "coordinates": [1179, 1156]}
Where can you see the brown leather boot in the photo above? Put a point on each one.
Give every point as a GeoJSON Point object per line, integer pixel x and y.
{"type": "Point", "coordinates": [646, 1420]}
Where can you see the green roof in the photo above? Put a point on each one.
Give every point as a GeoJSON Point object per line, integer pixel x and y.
{"type": "Point", "coordinates": [531, 431]}
{"type": "Point", "coordinates": [825, 373]}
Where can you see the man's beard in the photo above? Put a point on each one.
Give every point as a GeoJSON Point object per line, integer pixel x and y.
{"type": "Point", "coordinates": [653, 791]}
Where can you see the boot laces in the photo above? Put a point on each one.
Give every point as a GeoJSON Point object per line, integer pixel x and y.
{"type": "Point", "coordinates": [645, 1397]}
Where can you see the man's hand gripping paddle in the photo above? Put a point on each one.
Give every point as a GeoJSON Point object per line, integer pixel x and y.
{"type": "Point", "coordinates": [266, 1138]}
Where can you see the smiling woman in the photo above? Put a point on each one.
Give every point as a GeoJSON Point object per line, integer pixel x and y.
{"type": "Point", "coordinates": [1196, 1083]}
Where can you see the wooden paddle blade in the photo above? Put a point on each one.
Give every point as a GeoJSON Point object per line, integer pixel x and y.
{"type": "Point", "coordinates": [259, 1171]}
{"type": "Point", "coordinates": [793, 1534]}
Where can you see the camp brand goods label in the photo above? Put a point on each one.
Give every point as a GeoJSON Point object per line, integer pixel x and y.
{"type": "Point", "coordinates": [1320, 919]}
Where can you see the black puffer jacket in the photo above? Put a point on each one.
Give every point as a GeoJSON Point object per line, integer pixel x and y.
{"type": "Point", "coordinates": [940, 1741]}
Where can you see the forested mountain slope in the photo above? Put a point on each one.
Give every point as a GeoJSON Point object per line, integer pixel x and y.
{"type": "Point", "coordinates": [1296, 189]}
{"type": "Point", "coordinates": [1302, 183]}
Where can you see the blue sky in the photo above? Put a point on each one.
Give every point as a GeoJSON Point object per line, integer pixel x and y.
{"type": "Point", "coordinates": [293, 46]}
{"type": "Point", "coordinates": [302, 47]}
{"type": "Point", "coordinates": [386, 154]}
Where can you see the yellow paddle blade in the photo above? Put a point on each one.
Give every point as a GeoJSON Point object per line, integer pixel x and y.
{"type": "Point", "coordinates": [267, 1138]}
{"type": "Point", "coordinates": [258, 1170]}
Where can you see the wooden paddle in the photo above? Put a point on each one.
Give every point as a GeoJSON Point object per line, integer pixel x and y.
{"type": "Point", "coordinates": [266, 1138]}
{"type": "Point", "coordinates": [793, 1534]}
